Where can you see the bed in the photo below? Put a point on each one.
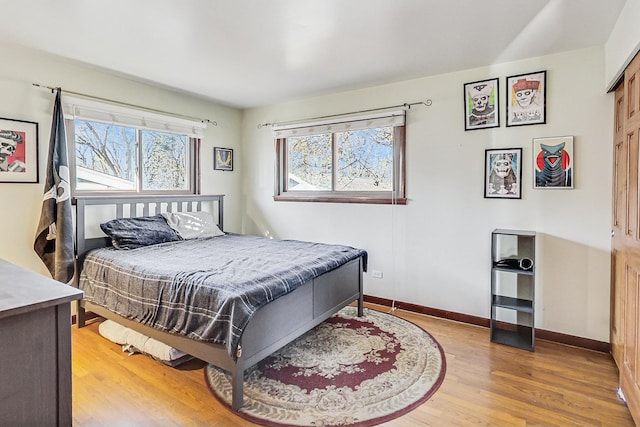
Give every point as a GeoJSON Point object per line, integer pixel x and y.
{"type": "Point", "coordinates": [288, 311]}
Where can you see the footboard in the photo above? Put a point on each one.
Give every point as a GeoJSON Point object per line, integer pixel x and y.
{"type": "Point", "coordinates": [285, 319]}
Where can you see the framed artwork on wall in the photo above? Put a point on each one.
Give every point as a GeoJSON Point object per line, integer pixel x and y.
{"type": "Point", "coordinates": [526, 99]}
{"type": "Point", "coordinates": [481, 106]}
{"type": "Point", "coordinates": [503, 173]}
{"type": "Point", "coordinates": [553, 162]}
{"type": "Point", "coordinates": [222, 159]}
{"type": "Point", "coordinates": [18, 151]}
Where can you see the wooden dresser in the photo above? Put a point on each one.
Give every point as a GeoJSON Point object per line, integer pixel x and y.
{"type": "Point", "coordinates": [35, 348]}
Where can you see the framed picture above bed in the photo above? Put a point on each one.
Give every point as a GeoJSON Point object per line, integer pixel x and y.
{"type": "Point", "coordinates": [18, 151]}
{"type": "Point", "coordinates": [503, 173]}
{"type": "Point", "coordinates": [222, 159]}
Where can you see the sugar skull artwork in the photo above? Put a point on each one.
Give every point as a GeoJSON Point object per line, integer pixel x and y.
{"type": "Point", "coordinates": [503, 172]}
{"type": "Point", "coordinates": [18, 151]}
{"type": "Point", "coordinates": [481, 104]}
{"type": "Point", "coordinates": [526, 99]}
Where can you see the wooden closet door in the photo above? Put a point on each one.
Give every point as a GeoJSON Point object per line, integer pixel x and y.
{"type": "Point", "coordinates": [625, 316]}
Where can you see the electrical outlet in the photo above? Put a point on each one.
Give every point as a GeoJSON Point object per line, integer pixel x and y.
{"type": "Point", "coordinates": [376, 274]}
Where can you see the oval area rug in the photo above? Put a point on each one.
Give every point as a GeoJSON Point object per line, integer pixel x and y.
{"type": "Point", "coordinates": [347, 371]}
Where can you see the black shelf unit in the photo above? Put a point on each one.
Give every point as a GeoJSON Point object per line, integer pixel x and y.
{"type": "Point", "coordinates": [513, 288]}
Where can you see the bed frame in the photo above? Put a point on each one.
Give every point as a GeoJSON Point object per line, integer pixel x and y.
{"type": "Point", "coordinates": [269, 329]}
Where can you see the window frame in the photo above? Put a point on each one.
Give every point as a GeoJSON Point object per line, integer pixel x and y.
{"type": "Point", "coordinates": [192, 174]}
{"type": "Point", "coordinates": [395, 196]}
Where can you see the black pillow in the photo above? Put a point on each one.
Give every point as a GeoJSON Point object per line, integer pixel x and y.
{"type": "Point", "coordinates": [131, 233]}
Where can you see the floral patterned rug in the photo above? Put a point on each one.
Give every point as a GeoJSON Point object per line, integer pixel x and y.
{"type": "Point", "coordinates": [348, 371]}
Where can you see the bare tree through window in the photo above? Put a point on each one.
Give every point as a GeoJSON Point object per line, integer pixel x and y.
{"type": "Point", "coordinates": [363, 161]}
{"type": "Point", "coordinates": [114, 157]}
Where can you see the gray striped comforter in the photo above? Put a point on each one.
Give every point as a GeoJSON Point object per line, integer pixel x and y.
{"type": "Point", "coordinates": [206, 289]}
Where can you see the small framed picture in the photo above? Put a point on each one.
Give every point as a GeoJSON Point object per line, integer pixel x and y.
{"type": "Point", "coordinates": [222, 159]}
{"type": "Point", "coordinates": [503, 173]}
{"type": "Point", "coordinates": [553, 162]}
{"type": "Point", "coordinates": [526, 99]}
{"type": "Point", "coordinates": [481, 105]}
{"type": "Point", "coordinates": [18, 151]}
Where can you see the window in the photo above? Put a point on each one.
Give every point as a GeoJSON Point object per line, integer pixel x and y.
{"type": "Point", "coordinates": [359, 160]}
{"type": "Point", "coordinates": [114, 152]}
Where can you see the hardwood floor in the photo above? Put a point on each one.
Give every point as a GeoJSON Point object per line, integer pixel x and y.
{"type": "Point", "coordinates": [486, 384]}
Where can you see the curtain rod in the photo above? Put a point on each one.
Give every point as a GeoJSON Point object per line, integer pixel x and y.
{"type": "Point", "coordinates": [406, 105]}
{"type": "Point", "coordinates": [151, 110]}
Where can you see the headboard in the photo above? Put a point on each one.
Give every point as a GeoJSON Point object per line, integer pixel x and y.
{"type": "Point", "coordinates": [90, 236]}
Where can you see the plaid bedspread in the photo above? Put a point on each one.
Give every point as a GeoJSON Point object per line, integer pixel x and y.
{"type": "Point", "coordinates": [206, 289]}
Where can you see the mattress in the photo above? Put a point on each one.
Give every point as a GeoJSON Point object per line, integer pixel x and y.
{"type": "Point", "coordinates": [206, 289]}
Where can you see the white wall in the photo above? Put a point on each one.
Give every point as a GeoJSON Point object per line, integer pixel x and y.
{"type": "Point", "coordinates": [435, 250]}
{"type": "Point", "coordinates": [20, 203]}
{"type": "Point", "coordinates": [623, 43]}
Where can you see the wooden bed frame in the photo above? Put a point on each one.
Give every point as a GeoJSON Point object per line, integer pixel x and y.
{"type": "Point", "coordinates": [269, 329]}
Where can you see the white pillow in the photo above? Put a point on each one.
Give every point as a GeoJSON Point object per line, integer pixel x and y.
{"type": "Point", "coordinates": [193, 225]}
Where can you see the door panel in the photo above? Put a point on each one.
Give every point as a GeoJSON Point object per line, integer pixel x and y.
{"type": "Point", "coordinates": [629, 373]}
{"type": "Point", "coordinates": [630, 326]}
{"type": "Point", "coordinates": [632, 185]}
{"type": "Point", "coordinates": [617, 307]}
{"type": "Point", "coordinates": [631, 85]}
{"type": "Point", "coordinates": [619, 184]}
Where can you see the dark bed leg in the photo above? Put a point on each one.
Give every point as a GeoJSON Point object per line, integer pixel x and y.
{"type": "Point", "coordinates": [237, 393]}
{"type": "Point", "coordinates": [80, 315]}
{"type": "Point", "coordinates": [361, 297]}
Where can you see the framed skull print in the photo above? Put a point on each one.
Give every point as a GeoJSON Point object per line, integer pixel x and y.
{"type": "Point", "coordinates": [481, 105]}
{"type": "Point", "coordinates": [503, 173]}
{"type": "Point", "coordinates": [18, 151]}
{"type": "Point", "coordinates": [526, 99]}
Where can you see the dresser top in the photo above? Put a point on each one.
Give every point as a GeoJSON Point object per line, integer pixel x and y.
{"type": "Point", "coordinates": [22, 291]}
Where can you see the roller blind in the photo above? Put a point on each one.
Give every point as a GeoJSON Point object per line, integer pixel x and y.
{"type": "Point", "coordinates": [341, 124]}
{"type": "Point", "coordinates": [88, 109]}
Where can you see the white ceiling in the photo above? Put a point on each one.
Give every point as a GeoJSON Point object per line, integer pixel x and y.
{"type": "Point", "coordinates": [248, 53]}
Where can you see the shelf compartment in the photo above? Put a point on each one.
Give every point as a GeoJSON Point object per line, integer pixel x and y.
{"type": "Point", "coordinates": [506, 284]}
{"type": "Point", "coordinates": [519, 336]}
